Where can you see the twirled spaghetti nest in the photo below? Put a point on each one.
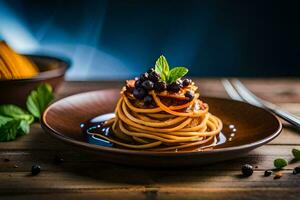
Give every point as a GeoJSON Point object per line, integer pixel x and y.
{"type": "Point", "coordinates": [163, 127]}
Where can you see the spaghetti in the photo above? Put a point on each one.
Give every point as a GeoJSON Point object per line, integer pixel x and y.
{"type": "Point", "coordinates": [158, 115]}
{"type": "Point", "coordinates": [13, 65]}
{"type": "Point", "coordinates": [163, 127]}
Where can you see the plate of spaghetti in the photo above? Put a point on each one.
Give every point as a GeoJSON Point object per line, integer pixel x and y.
{"type": "Point", "coordinates": [160, 119]}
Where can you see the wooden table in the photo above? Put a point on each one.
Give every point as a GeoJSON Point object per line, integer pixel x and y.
{"type": "Point", "coordinates": [84, 175]}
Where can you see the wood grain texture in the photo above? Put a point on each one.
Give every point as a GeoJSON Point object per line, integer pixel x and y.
{"type": "Point", "coordinates": [84, 176]}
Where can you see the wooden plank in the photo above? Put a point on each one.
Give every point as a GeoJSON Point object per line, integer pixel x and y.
{"type": "Point", "coordinates": [76, 161]}
{"type": "Point", "coordinates": [165, 193]}
{"type": "Point", "coordinates": [22, 181]}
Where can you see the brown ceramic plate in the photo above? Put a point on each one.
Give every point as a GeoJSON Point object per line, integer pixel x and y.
{"type": "Point", "coordinates": [254, 127]}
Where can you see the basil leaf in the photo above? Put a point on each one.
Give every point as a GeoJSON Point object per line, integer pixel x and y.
{"type": "Point", "coordinates": [177, 73]}
{"type": "Point", "coordinates": [296, 153]}
{"type": "Point", "coordinates": [162, 67]}
{"type": "Point", "coordinates": [39, 99]}
{"type": "Point", "coordinates": [4, 120]}
{"type": "Point", "coordinates": [15, 112]}
{"type": "Point", "coordinates": [280, 163]}
{"type": "Point", "coordinates": [24, 128]}
{"type": "Point", "coordinates": [8, 131]}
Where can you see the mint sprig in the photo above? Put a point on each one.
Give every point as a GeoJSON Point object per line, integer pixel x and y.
{"type": "Point", "coordinates": [296, 153]}
{"type": "Point", "coordinates": [14, 121]}
{"type": "Point", "coordinates": [163, 69]}
{"type": "Point", "coordinates": [39, 99]}
{"type": "Point", "coordinates": [280, 163]}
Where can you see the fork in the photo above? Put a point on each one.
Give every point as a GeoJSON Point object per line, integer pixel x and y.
{"type": "Point", "coordinates": [238, 91]}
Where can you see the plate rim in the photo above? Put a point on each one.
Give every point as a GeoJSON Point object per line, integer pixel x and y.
{"type": "Point", "coordinates": [89, 146]}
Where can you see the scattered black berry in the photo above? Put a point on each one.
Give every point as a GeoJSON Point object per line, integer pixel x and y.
{"type": "Point", "coordinates": [150, 70]}
{"type": "Point", "coordinates": [139, 93]}
{"type": "Point", "coordinates": [6, 160]}
{"type": "Point", "coordinates": [58, 160]}
{"type": "Point", "coordinates": [186, 82]}
{"type": "Point", "coordinates": [144, 76]}
{"type": "Point", "coordinates": [148, 100]}
{"type": "Point", "coordinates": [179, 81]}
{"type": "Point", "coordinates": [296, 170]}
{"type": "Point", "coordinates": [189, 95]}
{"type": "Point", "coordinates": [247, 170]}
{"type": "Point", "coordinates": [268, 173]}
{"type": "Point", "coordinates": [148, 85]}
{"type": "Point", "coordinates": [138, 83]}
{"type": "Point", "coordinates": [35, 170]}
{"type": "Point", "coordinates": [160, 86]}
{"type": "Point", "coordinates": [154, 77]}
{"type": "Point", "coordinates": [174, 87]}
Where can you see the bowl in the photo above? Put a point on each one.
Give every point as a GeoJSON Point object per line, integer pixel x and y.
{"type": "Point", "coordinates": [52, 71]}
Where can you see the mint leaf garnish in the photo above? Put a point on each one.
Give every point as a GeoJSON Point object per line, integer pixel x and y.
{"type": "Point", "coordinates": [162, 67]}
{"type": "Point", "coordinates": [170, 76]}
{"type": "Point", "coordinates": [39, 99]}
{"type": "Point", "coordinates": [177, 73]}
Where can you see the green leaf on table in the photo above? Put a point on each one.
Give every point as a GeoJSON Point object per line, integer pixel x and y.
{"type": "Point", "coordinates": [24, 128]}
{"type": "Point", "coordinates": [8, 131]}
{"type": "Point", "coordinates": [39, 99]}
{"type": "Point", "coordinates": [4, 120]}
{"type": "Point", "coordinates": [14, 121]}
{"type": "Point", "coordinates": [162, 67]}
{"type": "Point", "coordinates": [280, 163]}
{"type": "Point", "coordinates": [177, 73]}
{"type": "Point", "coordinates": [296, 153]}
{"type": "Point", "coordinates": [15, 112]}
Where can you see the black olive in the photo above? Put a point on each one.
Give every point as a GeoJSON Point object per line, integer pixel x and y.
{"type": "Point", "coordinates": [150, 70]}
{"type": "Point", "coordinates": [144, 76]}
{"type": "Point", "coordinates": [268, 173]}
{"type": "Point", "coordinates": [174, 87]}
{"type": "Point", "coordinates": [154, 76]}
{"type": "Point", "coordinates": [160, 86]}
{"type": "Point", "coordinates": [139, 93]}
{"type": "Point", "coordinates": [148, 100]}
{"type": "Point", "coordinates": [148, 85]}
{"type": "Point", "coordinates": [186, 82]}
{"type": "Point", "coordinates": [138, 83]}
{"type": "Point", "coordinates": [35, 170]}
{"type": "Point", "coordinates": [189, 94]}
{"type": "Point", "coordinates": [296, 170]}
{"type": "Point", "coordinates": [247, 170]}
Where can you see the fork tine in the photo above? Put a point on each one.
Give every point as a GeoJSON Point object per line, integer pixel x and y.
{"type": "Point", "coordinates": [246, 94]}
{"type": "Point", "coordinates": [230, 90]}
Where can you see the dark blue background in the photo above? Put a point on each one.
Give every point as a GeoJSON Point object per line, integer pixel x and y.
{"type": "Point", "coordinates": [118, 39]}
